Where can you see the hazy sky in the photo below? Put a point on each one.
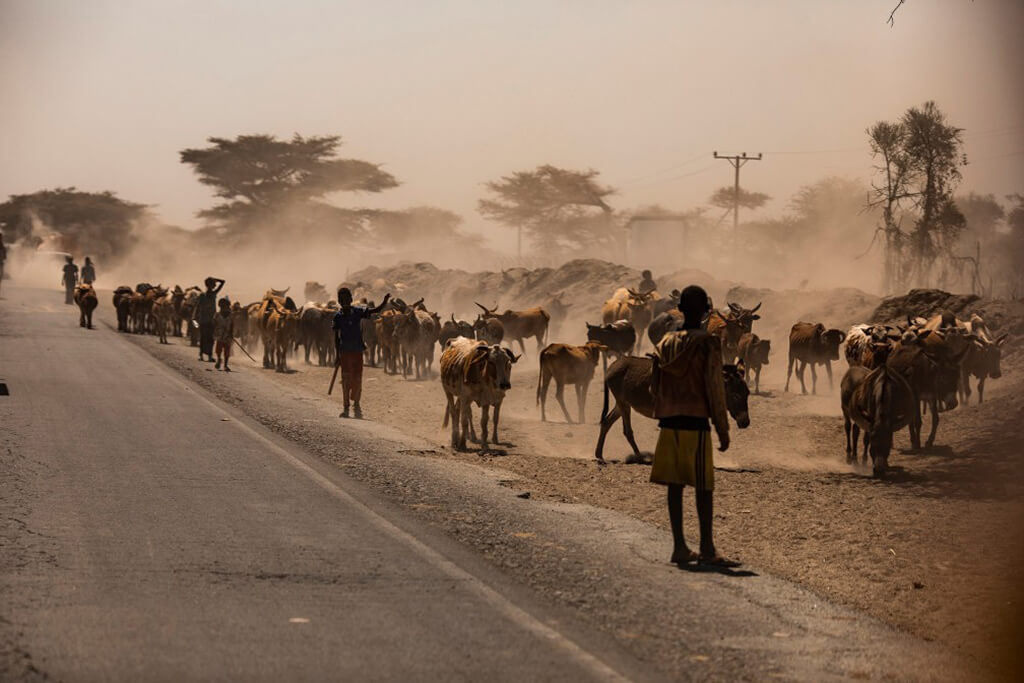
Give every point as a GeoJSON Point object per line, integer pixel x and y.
{"type": "Point", "coordinates": [103, 95]}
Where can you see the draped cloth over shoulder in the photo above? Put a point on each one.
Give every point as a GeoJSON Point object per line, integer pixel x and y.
{"type": "Point", "coordinates": [687, 378]}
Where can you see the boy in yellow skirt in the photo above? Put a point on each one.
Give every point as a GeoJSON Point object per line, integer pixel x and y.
{"type": "Point", "coordinates": [689, 396]}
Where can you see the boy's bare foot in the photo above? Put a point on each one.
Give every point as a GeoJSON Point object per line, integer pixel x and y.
{"type": "Point", "coordinates": [226, 368]}
{"type": "Point", "coordinates": [344, 413]}
{"type": "Point", "coordinates": [683, 556]}
{"type": "Point", "coordinates": [218, 364]}
{"type": "Point", "coordinates": [357, 412]}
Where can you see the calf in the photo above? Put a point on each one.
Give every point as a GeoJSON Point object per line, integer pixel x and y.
{"type": "Point", "coordinates": [753, 352]}
{"type": "Point", "coordinates": [811, 344]}
{"type": "Point", "coordinates": [880, 402]}
{"type": "Point", "coordinates": [473, 372]}
{"type": "Point", "coordinates": [629, 380]}
{"type": "Point", "coordinates": [567, 364]}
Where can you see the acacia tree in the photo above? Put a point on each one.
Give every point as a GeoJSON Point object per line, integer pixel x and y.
{"type": "Point", "coordinates": [728, 198]}
{"type": "Point", "coordinates": [99, 224]}
{"type": "Point", "coordinates": [554, 206]}
{"type": "Point", "coordinates": [919, 162]}
{"type": "Point", "coordinates": [261, 178]}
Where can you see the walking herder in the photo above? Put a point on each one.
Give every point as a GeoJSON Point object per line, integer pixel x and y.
{"type": "Point", "coordinates": [689, 396]}
{"type": "Point", "coordinates": [88, 272]}
{"type": "Point", "coordinates": [348, 340]}
{"type": "Point", "coordinates": [203, 314]}
{"type": "Point", "coordinates": [69, 279]}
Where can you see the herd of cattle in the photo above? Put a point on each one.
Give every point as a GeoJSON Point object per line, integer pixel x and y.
{"type": "Point", "coordinates": [896, 373]}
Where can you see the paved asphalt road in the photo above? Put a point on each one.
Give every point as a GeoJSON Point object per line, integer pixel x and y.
{"type": "Point", "coordinates": [163, 537]}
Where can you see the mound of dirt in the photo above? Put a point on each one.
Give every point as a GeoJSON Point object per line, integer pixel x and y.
{"type": "Point", "coordinates": [1000, 316]}
{"type": "Point", "coordinates": [583, 285]}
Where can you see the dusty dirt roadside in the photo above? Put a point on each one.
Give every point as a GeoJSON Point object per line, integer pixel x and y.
{"type": "Point", "coordinates": [805, 517]}
{"type": "Point", "coordinates": [934, 549]}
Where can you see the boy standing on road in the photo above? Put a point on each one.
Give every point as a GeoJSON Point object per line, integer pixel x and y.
{"type": "Point", "coordinates": [223, 332]}
{"type": "Point", "coordinates": [203, 314]}
{"type": "Point", "coordinates": [69, 279]}
{"type": "Point", "coordinates": [348, 341]}
{"type": "Point", "coordinates": [689, 395]}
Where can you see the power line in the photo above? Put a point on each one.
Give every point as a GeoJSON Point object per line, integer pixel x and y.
{"type": "Point", "coordinates": [673, 167]}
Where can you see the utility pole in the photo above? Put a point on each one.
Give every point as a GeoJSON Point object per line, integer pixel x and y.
{"type": "Point", "coordinates": [737, 162]}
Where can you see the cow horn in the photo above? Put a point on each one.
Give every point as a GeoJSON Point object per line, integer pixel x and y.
{"type": "Point", "coordinates": [755, 308]}
{"type": "Point", "coordinates": [453, 318]}
{"type": "Point", "coordinates": [482, 307]}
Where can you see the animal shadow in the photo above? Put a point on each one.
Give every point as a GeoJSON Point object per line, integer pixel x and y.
{"type": "Point", "coordinates": [646, 458]}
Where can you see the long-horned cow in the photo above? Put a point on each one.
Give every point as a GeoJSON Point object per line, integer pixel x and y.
{"type": "Point", "coordinates": [520, 325]}
{"type": "Point", "coordinates": [473, 372]}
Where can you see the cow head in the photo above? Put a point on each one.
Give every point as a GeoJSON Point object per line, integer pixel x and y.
{"type": "Point", "coordinates": [593, 350]}
{"type": "Point", "coordinates": [736, 394]}
{"type": "Point", "coordinates": [831, 340]}
{"type": "Point", "coordinates": [761, 349]}
{"type": "Point", "coordinates": [745, 316]}
{"type": "Point", "coordinates": [491, 364]}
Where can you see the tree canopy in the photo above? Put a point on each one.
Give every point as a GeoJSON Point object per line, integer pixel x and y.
{"type": "Point", "coordinates": [554, 206]}
{"type": "Point", "coordinates": [919, 159]}
{"type": "Point", "coordinates": [728, 198]}
{"type": "Point", "coordinates": [260, 176]}
{"type": "Point", "coordinates": [97, 224]}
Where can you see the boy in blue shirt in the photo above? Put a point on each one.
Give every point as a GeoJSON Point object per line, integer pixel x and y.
{"type": "Point", "coordinates": [348, 341]}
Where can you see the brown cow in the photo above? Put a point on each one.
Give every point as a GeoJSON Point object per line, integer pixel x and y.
{"type": "Point", "coordinates": [812, 344]}
{"type": "Point", "coordinates": [489, 330]}
{"type": "Point", "coordinates": [416, 333]}
{"type": "Point", "coordinates": [384, 326]}
{"type": "Point", "coordinates": [982, 361]}
{"type": "Point", "coordinates": [85, 297]}
{"type": "Point", "coordinates": [753, 352]}
{"type": "Point", "coordinates": [881, 402]}
{"type": "Point", "coordinates": [163, 314]}
{"type": "Point", "coordinates": [730, 326]}
{"type": "Point", "coordinates": [629, 380]}
{"type": "Point", "coordinates": [567, 364]}
{"type": "Point", "coordinates": [122, 301]}
{"type": "Point", "coordinates": [473, 372]}
{"type": "Point", "coordinates": [520, 325]}
{"type": "Point", "coordinates": [632, 306]}
{"type": "Point", "coordinates": [454, 328]}
{"type": "Point", "coordinates": [933, 372]}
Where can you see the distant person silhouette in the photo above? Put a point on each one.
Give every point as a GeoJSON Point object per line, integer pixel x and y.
{"type": "Point", "coordinates": [88, 272]}
{"type": "Point", "coordinates": [69, 280]}
{"type": "Point", "coordinates": [647, 284]}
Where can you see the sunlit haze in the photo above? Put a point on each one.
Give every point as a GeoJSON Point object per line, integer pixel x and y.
{"type": "Point", "coordinates": [448, 95]}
